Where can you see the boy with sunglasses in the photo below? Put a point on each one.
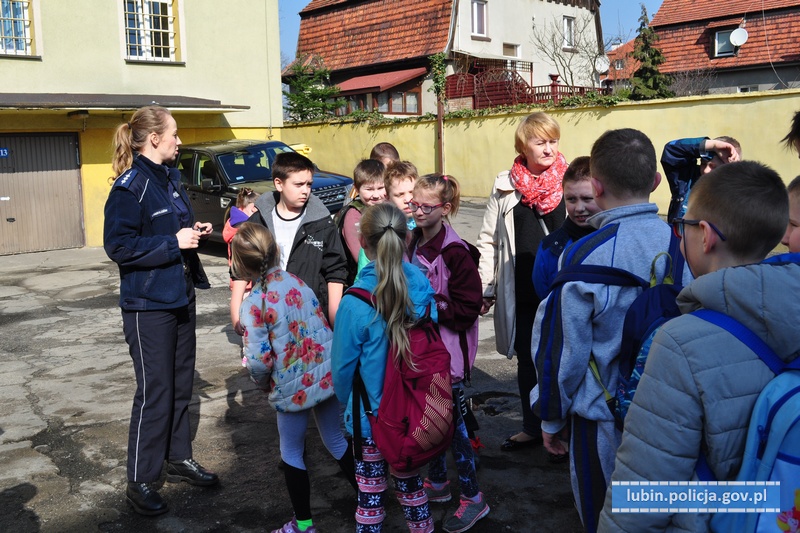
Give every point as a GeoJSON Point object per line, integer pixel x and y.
{"type": "Point", "coordinates": [700, 382]}
{"type": "Point", "coordinates": [583, 320]}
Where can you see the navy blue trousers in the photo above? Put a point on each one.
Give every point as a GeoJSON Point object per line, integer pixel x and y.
{"type": "Point", "coordinates": [162, 347]}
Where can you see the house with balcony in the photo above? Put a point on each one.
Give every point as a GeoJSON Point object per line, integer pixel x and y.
{"type": "Point", "coordinates": [68, 81]}
{"type": "Point", "coordinates": [732, 46]}
{"type": "Point", "coordinates": [378, 51]}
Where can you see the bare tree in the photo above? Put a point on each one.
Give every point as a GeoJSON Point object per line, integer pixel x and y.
{"type": "Point", "coordinates": [693, 82]}
{"type": "Point", "coordinates": [572, 47]}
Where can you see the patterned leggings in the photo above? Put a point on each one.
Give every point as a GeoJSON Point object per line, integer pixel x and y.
{"type": "Point", "coordinates": [371, 478]}
{"type": "Point", "coordinates": [462, 451]}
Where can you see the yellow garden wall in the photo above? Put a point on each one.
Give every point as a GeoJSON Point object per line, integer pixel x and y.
{"type": "Point", "coordinates": [477, 148]}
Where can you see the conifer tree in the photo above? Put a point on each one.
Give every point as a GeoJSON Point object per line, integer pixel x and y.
{"type": "Point", "coordinates": [310, 97]}
{"type": "Point", "coordinates": [647, 82]}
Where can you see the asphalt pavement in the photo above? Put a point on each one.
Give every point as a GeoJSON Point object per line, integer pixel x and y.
{"type": "Point", "coordinates": [66, 384]}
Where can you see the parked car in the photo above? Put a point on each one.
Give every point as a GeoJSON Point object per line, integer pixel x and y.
{"type": "Point", "coordinates": [214, 171]}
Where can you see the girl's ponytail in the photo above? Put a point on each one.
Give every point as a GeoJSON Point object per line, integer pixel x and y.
{"type": "Point", "coordinates": [384, 229]}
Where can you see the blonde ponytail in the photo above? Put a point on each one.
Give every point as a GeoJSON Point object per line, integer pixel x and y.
{"type": "Point", "coordinates": [131, 136]}
{"type": "Point", "coordinates": [384, 229]}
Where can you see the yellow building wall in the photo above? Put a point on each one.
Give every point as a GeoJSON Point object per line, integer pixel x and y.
{"type": "Point", "coordinates": [96, 174]}
{"type": "Point", "coordinates": [476, 149]}
{"type": "Point", "coordinates": [228, 52]}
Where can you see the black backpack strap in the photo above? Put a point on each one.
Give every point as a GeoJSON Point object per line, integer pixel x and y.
{"type": "Point", "coordinates": [359, 397]}
{"type": "Point", "coordinates": [678, 261]}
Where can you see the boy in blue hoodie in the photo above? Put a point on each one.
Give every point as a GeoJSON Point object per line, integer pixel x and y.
{"type": "Point", "coordinates": [582, 319]}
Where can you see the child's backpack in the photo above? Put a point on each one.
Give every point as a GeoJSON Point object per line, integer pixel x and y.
{"type": "Point", "coordinates": [654, 306]}
{"type": "Point", "coordinates": [338, 219]}
{"type": "Point", "coordinates": [772, 449]}
{"type": "Point", "coordinates": [415, 420]}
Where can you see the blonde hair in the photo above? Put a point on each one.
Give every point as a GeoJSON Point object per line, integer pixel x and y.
{"type": "Point", "coordinates": [399, 171]}
{"type": "Point", "coordinates": [384, 230]}
{"type": "Point", "coordinates": [253, 254]}
{"type": "Point", "coordinates": [446, 187]}
{"type": "Point", "coordinates": [537, 125]}
{"type": "Point", "coordinates": [130, 137]}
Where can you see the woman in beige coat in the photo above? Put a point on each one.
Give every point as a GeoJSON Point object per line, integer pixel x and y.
{"type": "Point", "coordinates": [525, 205]}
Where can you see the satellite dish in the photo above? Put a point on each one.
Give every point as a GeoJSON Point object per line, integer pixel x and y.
{"type": "Point", "coordinates": [601, 64]}
{"type": "Point", "coordinates": [738, 37]}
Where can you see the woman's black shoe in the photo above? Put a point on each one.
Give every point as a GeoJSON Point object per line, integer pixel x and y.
{"type": "Point", "coordinates": [145, 499]}
{"type": "Point", "coordinates": [510, 445]}
{"type": "Point", "coordinates": [191, 472]}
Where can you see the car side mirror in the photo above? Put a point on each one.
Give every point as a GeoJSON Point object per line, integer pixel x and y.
{"type": "Point", "coordinates": [208, 185]}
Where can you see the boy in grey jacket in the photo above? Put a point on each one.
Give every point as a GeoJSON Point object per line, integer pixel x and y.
{"type": "Point", "coordinates": [586, 319]}
{"type": "Point", "coordinates": [700, 383]}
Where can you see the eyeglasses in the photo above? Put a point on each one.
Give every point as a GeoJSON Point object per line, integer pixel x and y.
{"type": "Point", "coordinates": [679, 223]}
{"type": "Point", "coordinates": [426, 209]}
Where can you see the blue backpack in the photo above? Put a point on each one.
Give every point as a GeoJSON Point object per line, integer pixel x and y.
{"type": "Point", "coordinates": [772, 448]}
{"type": "Point", "coordinates": [654, 306]}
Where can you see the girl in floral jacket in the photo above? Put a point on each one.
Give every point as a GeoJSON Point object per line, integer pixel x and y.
{"type": "Point", "coordinates": [287, 344]}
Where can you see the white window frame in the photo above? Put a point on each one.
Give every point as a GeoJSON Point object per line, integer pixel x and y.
{"type": "Point", "coordinates": [16, 28]}
{"type": "Point", "coordinates": [748, 89]}
{"type": "Point", "coordinates": [480, 15]}
{"type": "Point", "coordinates": [619, 64]}
{"type": "Point", "coordinates": [145, 37]}
{"type": "Point", "coordinates": [569, 32]}
{"type": "Point", "coordinates": [722, 44]}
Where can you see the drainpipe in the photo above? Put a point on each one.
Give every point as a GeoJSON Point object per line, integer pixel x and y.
{"type": "Point", "coordinates": [440, 136]}
{"type": "Point", "coordinates": [440, 166]}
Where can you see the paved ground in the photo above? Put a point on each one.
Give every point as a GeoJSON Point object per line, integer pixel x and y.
{"type": "Point", "coordinates": [66, 385]}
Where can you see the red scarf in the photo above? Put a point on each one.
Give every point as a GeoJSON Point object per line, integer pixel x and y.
{"type": "Point", "coordinates": [543, 192]}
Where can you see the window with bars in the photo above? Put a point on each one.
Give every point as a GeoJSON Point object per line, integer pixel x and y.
{"type": "Point", "coordinates": [15, 28]}
{"type": "Point", "coordinates": [150, 30]}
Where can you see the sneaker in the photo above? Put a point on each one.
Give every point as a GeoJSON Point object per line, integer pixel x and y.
{"type": "Point", "coordinates": [291, 527]}
{"type": "Point", "coordinates": [437, 495]}
{"type": "Point", "coordinates": [466, 515]}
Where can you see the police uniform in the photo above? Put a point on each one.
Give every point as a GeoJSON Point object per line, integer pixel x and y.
{"type": "Point", "coordinates": [145, 209]}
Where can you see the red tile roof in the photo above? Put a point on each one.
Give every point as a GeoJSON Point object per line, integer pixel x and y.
{"type": "Point", "coordinates": [622, 52]}
{"type": "Point", "coordinates": [773, 38]}
{"type": "Point", "coordinates": [679, 11]}
{"type": "Point", "coordinates": [349, 34]}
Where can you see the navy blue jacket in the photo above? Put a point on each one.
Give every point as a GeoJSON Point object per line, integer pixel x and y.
{"type": "Point", "coordinates": [139, 235]}
{"type": "Point", "coordinates": [679, 160]}
{"type": "Point", "coordinates": [545, 267]}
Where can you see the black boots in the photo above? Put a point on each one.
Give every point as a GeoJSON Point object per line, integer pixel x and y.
{"type": "Point", "coordinates": [144, 499]}
{"type": "Point", "coordinates": [191, 472]}
{"type": "Point", "coordinates": [147, 501]}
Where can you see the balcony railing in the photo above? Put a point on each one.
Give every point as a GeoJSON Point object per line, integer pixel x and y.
{"type": "Point", "coordinates": [496, 87]}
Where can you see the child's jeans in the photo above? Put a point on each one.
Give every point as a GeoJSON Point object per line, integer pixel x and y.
{"type": "Point", "coordinates": [371, 478]}
{"type": "Point", "coordinates": [462, 451]}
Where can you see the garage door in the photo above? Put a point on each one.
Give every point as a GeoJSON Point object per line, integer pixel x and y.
{"type": "Point", "coordinates": [40, 193]}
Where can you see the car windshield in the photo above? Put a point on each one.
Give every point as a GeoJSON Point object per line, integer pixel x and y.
{"type": "Point", "coordinates": [250, 164]}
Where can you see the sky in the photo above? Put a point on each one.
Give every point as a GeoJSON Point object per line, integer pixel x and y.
{"type": "Point", "coordinates": [619, 17]}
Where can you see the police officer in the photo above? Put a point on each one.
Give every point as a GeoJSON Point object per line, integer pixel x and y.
{"type": "Point", "coordinates": [151, 234]}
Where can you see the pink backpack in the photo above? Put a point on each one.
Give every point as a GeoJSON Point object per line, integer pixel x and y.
{"type": "Point", "coordinates": [415, 420]}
